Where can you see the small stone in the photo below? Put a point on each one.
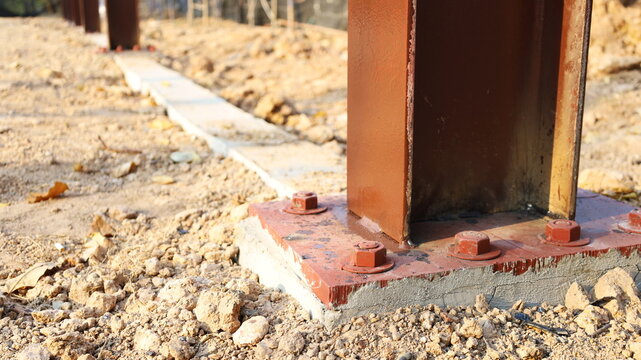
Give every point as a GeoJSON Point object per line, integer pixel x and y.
{"type": "Point", "coordinates": [606, 180]}
{"type": "Point", "coordinates": [219, 310]}
{"type": "Point", "coordinates": [480, 304]}
{"type": "Point", "coordinates": [489, 331]}
{"type": "Point", "coordinates": [179, 349]}
{"type": "Point", "coordinates": [200, 64]}
{"type": "Point", "coordinates": [591, 319]}
{"type": "Point", "coordinates": [320, 134]}
{"type": "Point", "coordinates": [152, 266]}
{"type": "Point", "coordinates": [619, 284]}
{"type": "Point", "coordinates": [49, 316]}
{"type": "Point", "coordinates": [81, 288]}
{"type": "Point", "coordinates": [121, 213]}
{"type": "Point", "coordinates": [635, 347]}
{"type": "Point", "coordinates": [251, 331]}
{"type": "Point", "coordinates": [239, 213]}
{"type": "Point", "coordinates": [146, 340]}
{"type": "Point", "coordinates": [33, 352]}
{"type": "Point", "coordinates": [405, 356]}
{"type": "Point", "coordinates": [292, 343]}
{"type": "Point", "coordinates": [86, 357]}
{"type": "Point", "coordinates": [101, 302]}
{"type": "Point", "coordinates": [267, 104]}
{"type": "Point", "coordinates": [576, 298]}
{"type": "Point", "coordinates": [470, 328]}
{"type": "Point", "coordinates": [434, 348]}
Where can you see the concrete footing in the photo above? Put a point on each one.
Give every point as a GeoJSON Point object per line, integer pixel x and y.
{"type": "Point", "coordinates": [293, 266]}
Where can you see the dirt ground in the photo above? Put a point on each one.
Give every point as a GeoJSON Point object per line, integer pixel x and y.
{"type": "Point", "coordinates": [136, 260]}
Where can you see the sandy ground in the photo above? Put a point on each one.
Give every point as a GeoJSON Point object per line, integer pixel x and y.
{"type": "Point", "coordinates": [162, 283]}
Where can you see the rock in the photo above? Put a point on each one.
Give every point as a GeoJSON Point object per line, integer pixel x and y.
{"type": "Point", "coordinates": [250, 288]}
{"type": "Point", "coordinates": [470, 328]}
{"type": "Point", "coordinates": [49, 316]}
{"type": "Point", "coordinates": [97, 248]}
{"type": "Point", "coordinates": [619, 284]}
{"type": "Point", "coordinates": [480, 304]}
{"type": "Point", "coordinates": [201, 64]}
{"type": "Point", "coordinates": [69, 345]}
{"type": "Point", "coordinates": [179, 349]}
{"type": "Point", "coordinates": [121, 213]}
{"type": "Point", "coordinates": [86, 357]}
{"type": "Point", "coordinates": [251, 331]}
{"type": "Point", "coordinates": [320, 134]}
{"type": "Point", "coordinates": [101, 302]}
{"type": "Point", "coordinates": [268, 104]}
{"type": "Point", "coordinates": [152, 266]}
{"type": "Point", "coordinates": [529, 352]}
{"type": "Point", "coordinates": [81, 288]}
{"type": "Point", "coordinates": [489, 331]}
{"type": "Point", "coordinates": [239, 213]}
{"type": "Point", "coordinates": [292, 343]}
{"type": "Point", "coordinates": [47, 73]}
{"type": "Point", "coordinates": [576, 298]}
{"type": "Point", "coordinates": [33, 352]}
{"type": "Point", "coordinates": [219, 310]}
{"type": "Point", "coordinates": [178, 289]}
{"type": "Point", "coordinates": [606, 180]}
{"type": "Point", "coordinates": [635, 347]}
{"type": "Point", "coordinates": [592, 318]}
{"type": "Point", "coordinates": [124, 169]}
{"type": "Point", "coordinates": [146, 340]}
{"type": "Point", "coordinates": [218, 234]}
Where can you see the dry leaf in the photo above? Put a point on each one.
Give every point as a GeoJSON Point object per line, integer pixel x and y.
{"type": "Point", "coordinates": [29, 278]}
{"type": "Point", "coordinates": [4, 205]}
{"type": "Point", "coordinates": [100, 225]}
{"type": "Point", "coordinates": [124, 169]}
{"type": "Point", "coordinates": [160, 124]}
{"type": "Point", "coordinates": [163, 179]}
{"type": "Point", "coordinates": [55, 191]}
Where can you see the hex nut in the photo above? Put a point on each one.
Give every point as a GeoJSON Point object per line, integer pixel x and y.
{"type": "Point", "coordinates": [304, 200]}
{"type": "Point", "coordinates": [472, 243]}
{"type": "Point", "coordinates": [369, 254]}
{"type": "Point", "coordinates": [562, 231]}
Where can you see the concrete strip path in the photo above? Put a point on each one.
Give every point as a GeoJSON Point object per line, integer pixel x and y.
{"type": "Point", "coordinates": [284, 162]}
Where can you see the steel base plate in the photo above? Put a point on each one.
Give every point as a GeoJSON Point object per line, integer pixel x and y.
{"type": "Point", "coordinates": [317, 245]}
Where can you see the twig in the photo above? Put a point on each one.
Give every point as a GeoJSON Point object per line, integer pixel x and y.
{"type": "Point", "coordinates": [122, 151]}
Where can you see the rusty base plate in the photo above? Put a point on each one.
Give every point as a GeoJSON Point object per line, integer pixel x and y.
{"type": "Point", "coordinates": [319, 243]}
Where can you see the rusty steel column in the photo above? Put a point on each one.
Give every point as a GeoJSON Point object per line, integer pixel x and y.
{"type": "Point", "coordinates": [91, 16]}
{"type": "Point", "coordinates": [76, 12]}
{"type": "Point", "coordinates": [458, 108]}
{"type": "Point", "coordinates": [122, 22]}
{"type": "Point", "coordinates": [64, 9]}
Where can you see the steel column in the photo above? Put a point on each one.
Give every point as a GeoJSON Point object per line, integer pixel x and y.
{"type": "Point", "coordinates": [122, 21]}
{"type": "Point", "coordinates": [91, 16]}
{"type": "Point", "coordinates": [459, 108]}
{"type": "Point", "coordinates": [76, 12]}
